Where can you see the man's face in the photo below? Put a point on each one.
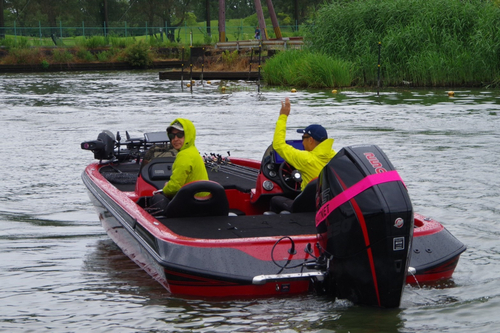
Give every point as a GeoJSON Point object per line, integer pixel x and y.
{"type": "Point", "coordinates": [177, 142]}
{"type": "Point", "coordinates": [308, 142]}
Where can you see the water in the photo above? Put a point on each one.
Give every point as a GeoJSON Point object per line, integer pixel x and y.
{"type": "Point", "coordinates": [59, 272]}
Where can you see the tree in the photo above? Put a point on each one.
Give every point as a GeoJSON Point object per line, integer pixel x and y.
{"type": "Point", "coordinates": [169, 13]}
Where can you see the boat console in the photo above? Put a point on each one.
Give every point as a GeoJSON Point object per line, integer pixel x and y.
{"type": "Point", "coordinates": [276, 176]}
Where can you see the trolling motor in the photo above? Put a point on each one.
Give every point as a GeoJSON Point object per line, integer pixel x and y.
{"type": "Point", "coordinates": [103, 148]}
{"type": "Point", "coordinates": [107, 147]}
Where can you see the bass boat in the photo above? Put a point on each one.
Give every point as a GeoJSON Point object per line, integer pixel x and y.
{"type": "Point", "coordinates": [350, 234]}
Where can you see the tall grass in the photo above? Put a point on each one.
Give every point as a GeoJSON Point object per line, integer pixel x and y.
{"type": "Point", "coordinates": [428, 43]}
{"type": "Point", "coordinates": [307, 69]}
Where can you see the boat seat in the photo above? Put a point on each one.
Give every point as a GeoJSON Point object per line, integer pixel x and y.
{"type": "Point", "coordinates": [157, 171]}
{"type": "Point", "coordinates": [188, 203]}
{"type": "Point", "coordinates": [304, 202]}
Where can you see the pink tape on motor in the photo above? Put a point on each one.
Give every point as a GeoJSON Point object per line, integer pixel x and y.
{"type": "Point", "coordinates": [351, 192]}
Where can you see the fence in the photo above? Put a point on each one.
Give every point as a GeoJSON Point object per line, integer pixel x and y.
{"type": "Point", "coordinates": [187, 35]}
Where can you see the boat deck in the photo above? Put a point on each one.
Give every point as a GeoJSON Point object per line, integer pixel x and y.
{"type": "Point", "coordinates": [243, 179]}
{"type": "Point", "coordinates": [227, 227]}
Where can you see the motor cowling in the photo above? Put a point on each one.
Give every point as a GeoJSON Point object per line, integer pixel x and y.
{"type": "Point", "coordinates": [366, 214]}
{"type": "Point", "coordinates": [103, 147]}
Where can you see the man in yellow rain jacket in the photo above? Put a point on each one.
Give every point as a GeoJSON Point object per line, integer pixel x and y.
{"type": "Point", "coordinates": [318, 147]}
{"type": "Point", "coordinates": [188, 165]}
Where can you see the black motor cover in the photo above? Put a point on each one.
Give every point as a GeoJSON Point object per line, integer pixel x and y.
{"type": "Point", "coordinates": [103, 147]}
{"type": "Point", "coordinates": [369, 236]}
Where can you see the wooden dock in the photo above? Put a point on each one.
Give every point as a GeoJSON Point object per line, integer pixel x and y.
{"type": "Point", "coordinates": [274, 44]}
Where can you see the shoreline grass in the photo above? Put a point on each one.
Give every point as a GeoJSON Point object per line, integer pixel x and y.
{"type": "Point", "coordinates": [426, 43]}
{"type": "Point", "coordinates": [302, 68]}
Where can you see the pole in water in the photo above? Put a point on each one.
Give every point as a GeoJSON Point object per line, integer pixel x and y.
{"type": "Point", "coordinates": [202, 65]}
{"type": "Point", "coordinates": [378, 70]}
{"type": "Point", "coordinates": [260, 58]}
{"type": "Point", "coordinates": [182, 70]}
{"type": "Point", "coordinates": [250, 69]}
{"type": "Point", "coordinates": [191, 68]}
{"type": "Point", "coordinates": [191, 76]}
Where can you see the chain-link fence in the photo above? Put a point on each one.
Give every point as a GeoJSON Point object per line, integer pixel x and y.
{"type": "Point", "coordinates": [186, 35]}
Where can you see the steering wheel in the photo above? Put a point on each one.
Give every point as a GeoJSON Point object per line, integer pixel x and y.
{"type": "Point", "coordinates": [290, 178]}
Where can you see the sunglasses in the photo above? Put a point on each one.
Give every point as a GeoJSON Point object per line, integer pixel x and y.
{"type": "Point", "coordinates": [179, 135]}
{"type": "Point", "coordinates": [305, 137]}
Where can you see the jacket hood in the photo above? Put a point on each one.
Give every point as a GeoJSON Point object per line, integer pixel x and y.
{"type": "Point", "coordinates": [189, 132]}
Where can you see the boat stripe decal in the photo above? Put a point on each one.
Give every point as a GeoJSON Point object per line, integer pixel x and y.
{"type": "Point", "coordinates": [362, 223]}
{"type": "Point", "coordinates": [351, 192]}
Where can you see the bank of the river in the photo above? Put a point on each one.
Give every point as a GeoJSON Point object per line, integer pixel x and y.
{"type": "Point", "coordinates": [228, 63]}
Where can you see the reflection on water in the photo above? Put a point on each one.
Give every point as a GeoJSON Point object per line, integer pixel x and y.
{"type": "Point", "coordinates": [60, 272]}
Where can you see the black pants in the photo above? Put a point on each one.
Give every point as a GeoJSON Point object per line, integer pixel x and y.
{"type": "Point", "coordinates": [279, 204]}
{"type": "Point", "coordinates": [158, 204]}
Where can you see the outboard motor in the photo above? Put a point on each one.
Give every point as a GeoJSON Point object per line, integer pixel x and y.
{"type": "Point", "coordinates": [366, 213]}
{"type": "Point", "coordinates": [103, 148]}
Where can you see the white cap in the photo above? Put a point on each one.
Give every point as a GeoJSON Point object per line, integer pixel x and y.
{"type": "Point", "coordinates": [177, 125]}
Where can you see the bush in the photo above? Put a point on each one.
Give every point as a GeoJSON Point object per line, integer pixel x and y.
{"type": "Point", "coordinates": [23, 56]}
{"type": "Point", "coordinates": [94, 42]}
{"type": "Point", "coordinates": [12, 43]}
{"type": "Point", "coordinates": [85, 55]}
{"type": "Point", "coordinates": [138, 55]}
{"type": "Point", "coordinates": [229, 58]}
{"type": "Point", "coordinates": [121, 42]}
{"type": "Point", "coordinates": [61, 56]}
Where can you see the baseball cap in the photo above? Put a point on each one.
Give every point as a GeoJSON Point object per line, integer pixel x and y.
{"type": "Point", "coordinates": [177, 125]}
{"type": "Point", "coordinates": [317, 132]}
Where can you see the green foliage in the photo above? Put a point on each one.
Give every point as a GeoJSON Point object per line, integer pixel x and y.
{"type": "Point", "coordinates": [229, 58]}
{"type": "Point", "coordinates": [14, 42]}
{"type": "Point", "coordinates": [138, 55]}
{"type": "Point", "coordinates": [45, 64]}
{"type": "Point", "coordinates": [61, 56]}
{"type": "Point", "coordinates": [24, 56]}
{"type": "Point", "coordinates": [307, 69]}
{"type": "Point", "coordinates": [429, 43]}
{"type": "Point", "coordinates": [94, 42]}
{"type": "Point", "coordinates": [190, 19]}
{"type": "Point", "coordinates": [121, 42]}
{"type": "Point", "coordinates": [106, 56]}
{"type": "Point", "coordinates": [85, 55]}
{"type": "Point", "coordinates": [284, 19]}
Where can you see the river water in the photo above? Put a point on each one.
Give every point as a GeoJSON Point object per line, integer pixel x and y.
{"type": "Point", "coordinates": [59, 272]}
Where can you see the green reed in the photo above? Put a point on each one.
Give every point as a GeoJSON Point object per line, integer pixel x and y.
{"type": "Point", "coordinates": [425, 43]}
{"type": "Point", "coordinates": [307, 69]}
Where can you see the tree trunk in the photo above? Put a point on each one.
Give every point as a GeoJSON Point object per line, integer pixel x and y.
{"type": "Point", "coordinates": [2, 22]}
{"type": "Point", "coordinates": [207, 4]}
{"type": "Point", "coordinates": [274, 19]}
{"type": "Point", "coordinates": [105, 17]}
{"type": "Point", "coordinates": [296, 23]}
{"type": "Point", "coordinates": [262, 22]}
{"type": "Point", "coordinates": [222, 20]}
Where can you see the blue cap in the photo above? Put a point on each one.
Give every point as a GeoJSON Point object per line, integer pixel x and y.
{"type": "Point", "coordinates": [317, 132]}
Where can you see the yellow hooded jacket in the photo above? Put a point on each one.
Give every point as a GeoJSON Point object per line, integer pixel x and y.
{"type": "Point", "coordinates": [308, 163]}
{"type": "Point", "coordinates": [188, 165]}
